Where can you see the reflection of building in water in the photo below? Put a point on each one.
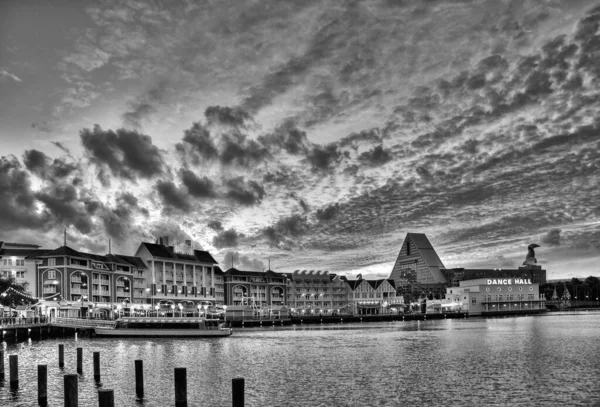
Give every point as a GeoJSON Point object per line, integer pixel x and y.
{"type": "Point", "coordinates": [494, 296]}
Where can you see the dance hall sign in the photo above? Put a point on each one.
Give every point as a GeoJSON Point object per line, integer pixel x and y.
{"type": "Point", "coordinates": [509, 281]}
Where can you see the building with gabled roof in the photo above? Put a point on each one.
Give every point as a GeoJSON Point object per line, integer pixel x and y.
{"type": "Point", "coordinates": [417, 262]}
{"type": "Point", "coordinates": [182, 276]}
{"type": "Point", "coordinates": [369, 297]}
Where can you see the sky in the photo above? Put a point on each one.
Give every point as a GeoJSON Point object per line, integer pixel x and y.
{"type": "Point", "coordinates": [306, 135]}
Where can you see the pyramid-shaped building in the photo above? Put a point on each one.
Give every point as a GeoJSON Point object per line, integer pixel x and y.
{"type": "Point", "coordinates": [417, 262]}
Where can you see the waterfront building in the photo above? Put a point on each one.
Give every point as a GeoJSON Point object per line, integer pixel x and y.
{"type": "Point", "coordinates": [176, 277]}
{"type": "Point", "coordinates": [532, 272]}
{"type": "Point", "coordinates": [19, 260]}
{"type": "Point", "coordinates": [260, 289]}
{"type": "Point", "coordinates": [494, 296]}
{"type": "Point", "coordinates": [369, 297]}
{"type": "Point", "coordinates": [87, 279]}
{"type": "Point", "coordinates": [316, 292]}
{"type": "Point", "coordinates": [417, 262]}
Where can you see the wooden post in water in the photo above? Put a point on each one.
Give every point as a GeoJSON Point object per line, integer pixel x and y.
{"type": "Point", "coordinates": [14, 370]}
{"type": "Point", "coordinates": [97, 366]}
{"type": "Point", "coordinates": [139, 378]}
{"type": "Point", "coordinates": [106, 398]}
{"type": "Point", "coordinates": [61, 355]}
{"type": "Point", "coordinates": [237, 392]}
{"type": "Point", "coordinates": [71, 396]}
{"type": "Point", "coordinates": [180, 387]}
{"type": "Point", "coordinates": [1, 364]}
{"type": "Point", "coordinates": [80, 360]}
{"type": "Point", "coordinates": [43, 385]}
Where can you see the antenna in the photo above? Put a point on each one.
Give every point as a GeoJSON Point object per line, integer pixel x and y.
{"type": "Point", "coordinates": [269, 264]}
{"type": "Point", "coordinates": [109, 251]}
{"type": "Point", "coordinates": [65, 240]}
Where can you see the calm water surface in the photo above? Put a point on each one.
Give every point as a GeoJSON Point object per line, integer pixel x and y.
{"type": "Point", "coordinates": [528, 361]}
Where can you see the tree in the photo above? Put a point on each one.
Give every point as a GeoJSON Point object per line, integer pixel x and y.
{"type": "Point", "coordinates": [12, 298]}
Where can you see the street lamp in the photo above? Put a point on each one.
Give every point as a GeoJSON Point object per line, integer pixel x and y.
{"type": "Point", "coordinates": [180, 310]}
{"type": "Point", "coordinates": [173, 309]}
{"type": "Point", "coordinates": [225, 314]}
{"type": "Point", "coordinates": [156, 307]}
{"type": "Point", "coordinates": [199, 307]}
{"type": "Point", "coordinates": [205, 310]}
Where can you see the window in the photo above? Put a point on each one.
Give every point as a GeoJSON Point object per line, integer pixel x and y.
{"type": "Point", "coordinates": [51, 274]}
{"type": "Point", "coordinates": [500, 297]}
{"type": "Point", "coordinates": [474, 301]}
{"type": "Point", "coordinates": [7, 262]}
{"type": "Point", "coordinates": [51, 263]}
{"type": "Point", "coordinates": [20, 274]}
{"type": "Point", "coordinates": [21, 262]}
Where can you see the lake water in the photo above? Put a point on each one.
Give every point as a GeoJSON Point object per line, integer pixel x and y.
{"type": "Point", "coordinates": [544, 360]}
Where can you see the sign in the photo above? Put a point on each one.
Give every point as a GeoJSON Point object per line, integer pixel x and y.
{"type": "Point", "coordinates": [508, 281]}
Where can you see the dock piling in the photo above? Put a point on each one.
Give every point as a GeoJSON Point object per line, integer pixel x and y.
{"type": "Point", "coordinates": [97, 366]}
{"type": "Point", "coordinates": [139, 378]}
{"type": "Point", "coordinates": [180, 387]}
{"type": "Point", "coordinates": [237, 392]}
{"type": "Point", "coordinates": [43, 385]}
{"type": "Point", "coordinates": [80, 360]}
{"type": "Point", "coordinates": [70, 390]}
{"type": "Point", "coordinates": [14, 370]}
{"type": "Point", "coordinates": [61, 355]}
{"type": "Point", "coordinates": [106, 398]}
{"type": "Point", "coordinates": [1, 365]}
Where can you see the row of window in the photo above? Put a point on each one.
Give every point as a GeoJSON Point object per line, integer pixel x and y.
{"type": "Point", "coordinates": [16, 262]}
{"type": "Point", "coordinates": [15, 274]}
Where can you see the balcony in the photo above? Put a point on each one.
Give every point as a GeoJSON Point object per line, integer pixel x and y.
{"type": "Point", "coordinates": [76, 280]}
{"type": "Point", "coordinates": [50, 290]}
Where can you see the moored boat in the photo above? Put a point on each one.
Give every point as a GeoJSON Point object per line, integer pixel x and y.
{"type": "Point", "coordinates": [164, 326]}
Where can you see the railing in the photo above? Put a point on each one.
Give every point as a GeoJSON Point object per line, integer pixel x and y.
{"type": "Point", "coordinates": [87, 323]}
{"type": "Point", "coordinates": [50, 290]}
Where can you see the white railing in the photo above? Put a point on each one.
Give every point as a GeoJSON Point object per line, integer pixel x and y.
{"type": "Point", "coordinates": [88, 323]}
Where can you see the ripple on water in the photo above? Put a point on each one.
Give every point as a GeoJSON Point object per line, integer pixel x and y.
{"type": "Point", "coordinates": [528, 361]}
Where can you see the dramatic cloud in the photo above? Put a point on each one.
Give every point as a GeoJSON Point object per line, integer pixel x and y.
{"type": "Point", "coordinates": [226, 238]}
{"type": "Point", "coordinates": [242, 262]}
{"type": "Point", "coordinates": [128, 154]}
{"type": "Point", "coordinates": [41, 165]}
{"type": "Point", "coordinates": [66, 206]}
{"type": "Point", "coordinates": [172, 196]}
{"type": "Point", "coordinates": [552, 237]}
{"type": "Point", "coordinates": [197, 187]}
{"type": "Point", "coordinates": [215, 225]}
{"type": "Point", "coordinates": [17, 200]}
{"type": "Point", "coordinates": [228, 116]}
{"type": "Point", "coordinates": [244, 192]}
{"type": "Point", "coordinates": [327, 213]}
{"type": "Point", "coordinates": [376, 156]}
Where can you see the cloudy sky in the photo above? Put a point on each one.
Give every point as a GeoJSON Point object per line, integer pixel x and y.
{"type": "Point", "coordinates": [314, 134]}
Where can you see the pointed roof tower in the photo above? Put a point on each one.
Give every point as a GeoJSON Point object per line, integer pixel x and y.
{"type": "Point", "coordinates": [418, 261]}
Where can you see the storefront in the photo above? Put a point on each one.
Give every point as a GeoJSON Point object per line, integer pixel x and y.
{"type": "Point", "coordinates": [496, 297]}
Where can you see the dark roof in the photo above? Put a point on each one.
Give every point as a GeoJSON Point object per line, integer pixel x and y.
{"type": "Point", "coordinates": [21, 245]}
{"type": "Point", "coordinates": [27, 253]}
{"type": "Point", "coordinates": [159, 250]}
{"type": "Point", "coordinates": [136, 261]}
{"type": "Point", "coordinates": [373, 283]}
{"type": "Point", "coordinates": [204, 256]}
{"type": "Point", "coordinates": [354, 283]}
{"type": "Point", "coordinates": [420, 240]}
{"type": "Point", "coordinates": [269, 273]}
{"type": "Point", "coordinates": [65, 251]}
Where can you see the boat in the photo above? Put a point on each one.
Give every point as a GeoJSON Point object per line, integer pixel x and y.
{"type": "Point", "coordinates": [165, 326]}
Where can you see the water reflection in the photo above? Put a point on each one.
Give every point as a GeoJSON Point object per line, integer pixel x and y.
{"type": "Point", "coordinates": [538, 360]}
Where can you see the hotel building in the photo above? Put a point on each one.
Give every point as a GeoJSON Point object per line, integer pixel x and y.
{"type": "Point", "coordinates": [19, 260]}
{"type": "Point", "coordinates": [175, 277]}
{"type": "Point", "coordinates": [491, 296]}
{"type": "Point", "coordinates": [316, 292]}
{"type": "Point", "coordinates": [255, 288]}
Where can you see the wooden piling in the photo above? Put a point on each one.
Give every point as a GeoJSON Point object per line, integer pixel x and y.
{"type": "Point", "coordinates": [61, 355]}
{"type": "Point", "coordinates": [80, 360]}
{"type": "Point", "coordinates": [43, 385]}
{"type": "Point", "coordinates": [14, 370]}
{"type": "Point", "coordinates": [97, 366]}
{"type": "Point", "coordinates": [139, 378]}
{"type": "Point", "coordinates": [106, 398]}
{"type": "Point", "coordinates": [180, 387]}
{"type": "Point", "coordinates": [237, 392]}
{"type": "Point", "coordinates": [70, 390]}
{"type": "Point", "coordinates": [1, 365]}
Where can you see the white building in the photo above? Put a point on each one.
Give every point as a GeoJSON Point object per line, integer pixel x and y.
{"type": "Point", "coordinates": [487, 296]}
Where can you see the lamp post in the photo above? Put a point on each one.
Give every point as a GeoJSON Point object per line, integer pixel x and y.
{"type": "Point", "coordinates": [205, 310]}
{"type": "Point", "coordinates": [225, 314]}
{"type": "Point", "coordinates": [199, 306]}
{"type": "Point", "coordinates": [173, 309]}
{"type": "Point", "coordinates": [156, 307]}
{"type": "Point", "coordinates": [180, 310]}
